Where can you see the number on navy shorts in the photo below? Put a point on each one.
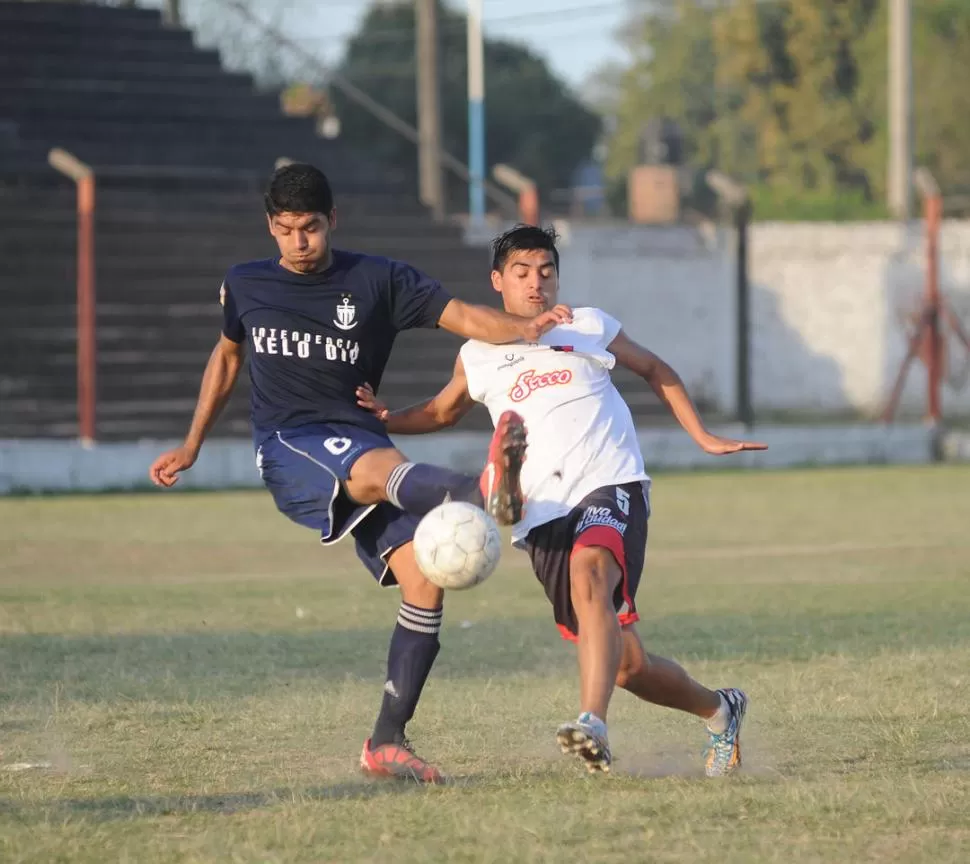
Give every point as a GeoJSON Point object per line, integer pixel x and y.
{"type": "Point", "coordinates": [337, 446]}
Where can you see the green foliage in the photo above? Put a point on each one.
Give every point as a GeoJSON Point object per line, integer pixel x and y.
{"type": "Point", "coordinates": [790, 96]}
{"type": "Point", "coordinates": [672, 74]}
{"type": "Point", "coordinates": [533, 122]}
{"type": "Point", "coordinates": [772, 205]}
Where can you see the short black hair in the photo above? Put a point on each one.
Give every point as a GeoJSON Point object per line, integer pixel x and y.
{"type": "Point", "coordinates": [524, 238]}
{"type": "Point", "coordinates": [298, 188]}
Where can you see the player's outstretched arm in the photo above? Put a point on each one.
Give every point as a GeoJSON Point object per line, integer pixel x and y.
{"type": "Point", "coordinates": [668, 386]}
{"type": "Point", "coordinates": [492, 325]}
{"type": "Point", "coordinates": [439, 412]}
{"type": "Point", "coordinates": [219, 378]}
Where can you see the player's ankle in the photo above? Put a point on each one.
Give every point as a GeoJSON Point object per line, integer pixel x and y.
{"type": "Point", "coordinates": [593, 721]}
{"type": "Point", "coordinates": [381, 736]}
{"type": "Point", "coordinates": [718, 722]}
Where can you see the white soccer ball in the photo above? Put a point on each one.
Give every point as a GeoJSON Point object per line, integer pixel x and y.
{"type": "Point", "coordinates": [457, 545]}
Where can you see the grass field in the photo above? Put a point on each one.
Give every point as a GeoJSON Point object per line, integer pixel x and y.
{"type": "Point", "coordinates": [195, 676]}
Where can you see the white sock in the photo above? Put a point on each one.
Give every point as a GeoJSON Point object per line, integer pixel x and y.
{"type": "Point", "coordinates": [718, 722]}
{"type": "Point", "coordinates": [588, 718]}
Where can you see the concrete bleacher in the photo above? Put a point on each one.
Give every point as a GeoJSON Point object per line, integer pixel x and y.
{"type": "Point", "coordinates": [181, 149]}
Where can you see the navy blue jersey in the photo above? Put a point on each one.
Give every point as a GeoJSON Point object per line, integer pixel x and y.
{"type": "Point", "coordinates": [313, 339]}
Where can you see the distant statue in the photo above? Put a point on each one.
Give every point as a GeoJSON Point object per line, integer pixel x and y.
{"type": "Point", "coordinates": [661, 143]}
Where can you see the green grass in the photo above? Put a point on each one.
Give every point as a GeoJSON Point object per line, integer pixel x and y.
{"type": "Point", "coordinates": [199, 674]}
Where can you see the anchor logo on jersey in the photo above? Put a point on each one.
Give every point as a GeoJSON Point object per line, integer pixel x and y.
{"type": "Point", "coordinates": [346, 315]}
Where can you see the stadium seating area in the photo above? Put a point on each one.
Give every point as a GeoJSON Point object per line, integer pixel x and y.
{"type": "Point", "coordinates": [182, 149]}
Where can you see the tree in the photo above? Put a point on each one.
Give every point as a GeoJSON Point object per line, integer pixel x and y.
{"type": "Point", "coordinates": [790, 95]}
{"type": "Point", "coordinates": [533, 122]}
{"type": "Point", "coordinates": [941, 97]}
{"type": "Point", "coordinates": [796, 66]}
{"type": "Point", "coordinates": [671, 75]}
{"type": "Point", "coordinates": [243, 45]}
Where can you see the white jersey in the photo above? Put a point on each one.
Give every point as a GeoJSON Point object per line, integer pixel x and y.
{"type": "Point", "coordinates": [581, 433]}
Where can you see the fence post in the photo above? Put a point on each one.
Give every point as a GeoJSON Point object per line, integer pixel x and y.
{"type": "Point", "coordinates": [933, 211]}
{"type": "Point", "coordinates": [735, 196]}
{"type": "Point", "coordinates": [87, 339]}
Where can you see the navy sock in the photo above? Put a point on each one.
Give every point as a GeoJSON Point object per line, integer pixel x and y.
{"type": "Point", "coordinates": [414, 646]}
{"type": "Point", "coordinates": [419, 488]}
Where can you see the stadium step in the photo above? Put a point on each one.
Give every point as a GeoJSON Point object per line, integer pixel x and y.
{"type": "Point", "coordinates": [182, 150]}
{"type": "Point", "coordinates": [198, 66]}
{"type": "Point", "coordinates": [157, 46]}
{"type": "Point", "coordinates": [89, 106]}
{"type": "Point", "coordinates": [78, 15]}
{"type": "Point", "coordinates": [32, 86]}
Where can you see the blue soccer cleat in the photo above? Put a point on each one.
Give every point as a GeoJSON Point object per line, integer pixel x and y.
{"type": "Point", "coordinates": [724, 750]}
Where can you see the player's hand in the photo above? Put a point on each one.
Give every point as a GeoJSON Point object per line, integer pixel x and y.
{"type": "Point", "coordinates": [545, 321]}
{"type": "Point", "coordinates": [369, 402]}
{"type": "Point", "coordinates": [166, 468]}
{"type": "Point", "coordinates": [718, 446]}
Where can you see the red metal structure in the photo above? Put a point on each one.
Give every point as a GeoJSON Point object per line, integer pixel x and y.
{"type": "Point", "coordinates": [87, 340]}
{"type": "Point", "coordinates": [926, 341]}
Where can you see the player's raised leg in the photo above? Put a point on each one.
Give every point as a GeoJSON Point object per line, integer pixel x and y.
{"type": "Point", "coordinates": [594, 575]}
{"type": "Point", "coordinates": [411, 654]}
{"type": "Point", "coordinates": [663, 682]}
{"type": "Point", "coordinates": [417, 488]}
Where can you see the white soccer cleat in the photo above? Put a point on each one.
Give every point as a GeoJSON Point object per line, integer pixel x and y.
{"type": "Point", "coordinates": [586, 737]}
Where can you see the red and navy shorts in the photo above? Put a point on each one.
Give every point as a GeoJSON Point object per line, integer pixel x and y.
{"type": "Point", "coordinates": [611, 517]}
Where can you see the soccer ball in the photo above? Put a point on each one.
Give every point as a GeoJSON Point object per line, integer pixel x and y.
{"type": "Point", "coordinates": [457, 545]}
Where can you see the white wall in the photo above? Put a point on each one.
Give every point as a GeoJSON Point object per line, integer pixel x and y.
{"type": "Point", "coordinates": [671, 289]}
{"type": "Point", "coordinates": [830, 303]}
{"type": "Point", "coordinates": [66, 466]}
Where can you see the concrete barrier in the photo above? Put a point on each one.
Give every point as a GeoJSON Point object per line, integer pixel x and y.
{"type": "Point", "coordinates": [36, 466]}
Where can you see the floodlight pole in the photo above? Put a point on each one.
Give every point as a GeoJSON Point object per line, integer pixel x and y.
{"type": "Point", "coordinates": [429, 108]}
{"type": "Point", "coordinates": [476, 114]}
{"type": "Point", "coordinates": [900, 90]}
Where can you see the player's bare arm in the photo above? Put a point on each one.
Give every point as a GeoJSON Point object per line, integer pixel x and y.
{"type": "Point", "coordinates": [439, 412]}
{"type": "Point", "coordinates": [218, 381]}
{"type": "Point", "coordinates": [669, 387]}
{"type": "Point", "coordinates": [491, 325]}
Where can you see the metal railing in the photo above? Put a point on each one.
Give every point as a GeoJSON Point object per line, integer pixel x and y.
{"type": "Point", "coordinates": [85, 178]}
{"type": "Point", "coordinates": [87, 339]}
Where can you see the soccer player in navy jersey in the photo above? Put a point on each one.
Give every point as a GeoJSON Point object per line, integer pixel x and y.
{"type": "Point", "coordinates": [319, 323]}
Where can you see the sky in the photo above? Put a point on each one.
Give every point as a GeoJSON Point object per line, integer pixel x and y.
{"type": "Point", "coordinates": [575, 36]}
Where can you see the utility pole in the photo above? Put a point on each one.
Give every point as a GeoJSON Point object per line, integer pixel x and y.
{"type": "Point", "coordinates": [899, 180]}
{"type": "Point", "coordinates": [431, 186]}
{"type": "Point", "coordinates": [476, 113]}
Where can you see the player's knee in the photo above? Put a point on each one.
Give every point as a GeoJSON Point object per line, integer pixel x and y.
{"type": "Point", "coordinates": [593, 577]}
{"type": "Point", "coordinates": [415, 588]}
{"type": "Point", "coordinates": [631, 668]}
{"type": "Point", "coordinates": [633, 659]}
{"type": "Point", "coordinates": [423, 594]}
{"type": "Point", "coordinates": [367, 483]}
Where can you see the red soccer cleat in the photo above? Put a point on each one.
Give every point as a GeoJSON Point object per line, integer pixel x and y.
{"type": "Point", "coordinates": [500, 480]}
{"type": "Point", "coordinates": [397, 760]}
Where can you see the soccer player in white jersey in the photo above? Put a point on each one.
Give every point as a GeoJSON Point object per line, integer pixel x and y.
{"type": "Point", "coordinates": [587, 494]}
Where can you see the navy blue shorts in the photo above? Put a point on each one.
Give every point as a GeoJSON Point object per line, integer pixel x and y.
{"type": "Point", "coordinates": [303, 469]}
